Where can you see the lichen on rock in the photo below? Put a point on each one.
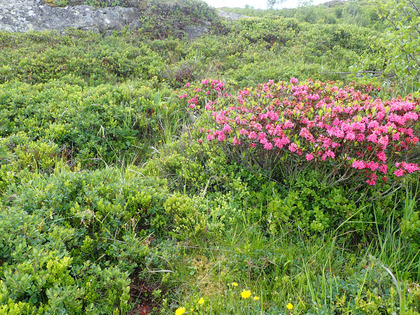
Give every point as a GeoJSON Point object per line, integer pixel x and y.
{"type": "Point", "coordinates": [41, 15]}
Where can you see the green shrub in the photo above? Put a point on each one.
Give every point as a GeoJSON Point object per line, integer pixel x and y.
{"type": "Point", "coordinates": [40, 57]}
{"type": "Point", "coordinates": [63, 121]}
{"type": "Point", "coordinates": [79, 235]}
{"type": "Point", "coordinates": [186, 221]}
{"type": "Point", "coordinates": [163, 19]}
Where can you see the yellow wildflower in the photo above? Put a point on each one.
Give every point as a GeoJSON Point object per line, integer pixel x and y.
{"type": "Point", "coordinates": [256, 298]}
{"type": "Point", "coordinates": [234, 284]}
{"type": "Point", "coordinates": [180, 311]}
{"type": "Point", "coordinates": [201, 301]}
{"type": "Point", "coordinates": [246, 294]}
{"type": "Point", "coordinates": [289, 306]}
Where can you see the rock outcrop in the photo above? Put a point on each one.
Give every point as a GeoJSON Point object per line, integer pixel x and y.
{"type": "Point", "coordinates": [27, 15]}
{"type": "Point", "coordinates": [38, 15]}
{"type": "Point", "coordinates": [231, 16]}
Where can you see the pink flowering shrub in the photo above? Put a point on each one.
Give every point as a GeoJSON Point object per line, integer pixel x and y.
{"type": "Point", "coordinates": [316, 125]}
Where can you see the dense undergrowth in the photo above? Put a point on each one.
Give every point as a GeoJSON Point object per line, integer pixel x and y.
{"type": "Point", "coordinates": [145, 172]}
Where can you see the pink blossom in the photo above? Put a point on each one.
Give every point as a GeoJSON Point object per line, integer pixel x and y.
{"type": "Point", "coordinates": [373, 166]}
{"type": "Point", "coordinates": [236, 141]}
{"type": "Point", "coordinates": [372, 179]}
{"type": "Point", "coordinates": [383, 168]}
{"type": "Point", "coordinates": [328, 153]}
{"type": "Point", "coordinates": [226, 128]}
{"type": "Point", "coordinates": [288, 124]}
{"type": "Point", "coordinates": [273, 116]}
{"type": "Point", "coordinates": [395, 136]}
{"type": "Point", "coordinates": [411, 115]}
{"type": "Point", "coordinates": [294, 81]}
{"type": "Point", "coordinates": [380, 115]}
{"type": "Point", "coordinates": [350, 136]}
{"type": "Point", "coordinates": [293, 147]}
{"type": "Point", "coordinates": [285, 140]}
{"type": "Point", "coordinates": [360, 137]}
{"type": "Point", "coordinates": [383, 140]}
{"type": "Point", "coordinates": [372, 138]}
{"type": "Point", "coordinates": [373, 124]}
{"type": "Point", "coordinates": [187, 85]}
{"type": "Point", "coordinates": [221, 136]}
{"type": "Point", "coordinates": [268, 146]}
{"type": "Point", "coordinates": [360, 165]}
{"type": "Point", "coordinates": [243, 132]}
{"type": "Point", "coordinates": [252, 135]}
{"type": "Point", "coordinates": [277, 143]}
{"type": "Point", "coordinates": [399, 172]}
{"type": "Point", "coordinates": [410, 167]}
{"type": "Point", "coordinates": [261, 135]}
{"type": "Point", "coordinates": [309, 157]}
{"type": "Point", "coordinates": [381, 156]}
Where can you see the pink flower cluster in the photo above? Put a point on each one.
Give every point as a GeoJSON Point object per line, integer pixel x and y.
{"type": "Point", "coordinates": [212, 88]}
{"type": "Point", "coordinates": [318, 123]}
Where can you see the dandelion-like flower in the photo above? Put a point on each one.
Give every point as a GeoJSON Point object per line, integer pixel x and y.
{"type": "Point", "coordinates": [201, 301]}
{"type": "Point", "coordinates": [246, 294]}
{"type": "Point", "coordinates": [289, 306]}
{"type": "Point", "coordinates": [234, 284]}
{"type": "Point", "coordinates": [180, 311]}
{"type": "Point", "coordinates": [256, 298]}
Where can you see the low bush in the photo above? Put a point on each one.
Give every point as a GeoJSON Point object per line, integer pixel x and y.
{"type": "Point", "coordinates": [314, 124]}
{"type": "Point", "coordinates": [91, 126]}
{"type": "Point", "coordinates": [72, 241]}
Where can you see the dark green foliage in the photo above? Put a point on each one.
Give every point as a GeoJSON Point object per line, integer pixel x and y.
{"type": "Point", "coordinates": [163, 19]}
{"type": "Point", "coordinates": [361, 13]}
{"type": "Point", "coordinates": [71, 241]}
{"type": "Point", "coordinates": [39, 57]}
{"type": "Point", "coordinates": [102, 122]}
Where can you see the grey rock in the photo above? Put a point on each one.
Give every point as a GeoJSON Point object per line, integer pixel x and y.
{"type": "Point", "coordinates": [36, 15]}
{"type": "Point", "coordinates": [194, 31]}
{"type": "Point", "coordinates": [27, 15]}
{"type": "Point", "coordinates": [231, 16]}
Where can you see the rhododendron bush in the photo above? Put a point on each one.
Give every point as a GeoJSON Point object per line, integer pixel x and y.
{"type": "Point", "coordinates": [313, 124]}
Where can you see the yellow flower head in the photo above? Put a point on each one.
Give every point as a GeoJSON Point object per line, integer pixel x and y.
{"type": "Point", "coordinates": [180, 311]}
{"type": "Point", "coordinates": [256, 298]}
{"type": "Point", "coordinates": [234, 284]}
{"type": "Point", "coordinates": [201, 301]}
{"type": "Point", "coordinates": [289, 306]}
{"type": "Point", "coordinates": [246, 294]}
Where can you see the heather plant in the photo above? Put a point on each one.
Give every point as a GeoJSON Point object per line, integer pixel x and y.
{"type": "Point", "coordinates": [342, 131]}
